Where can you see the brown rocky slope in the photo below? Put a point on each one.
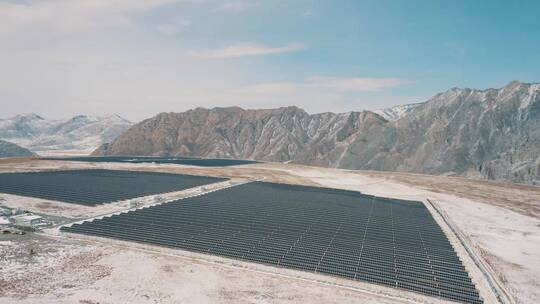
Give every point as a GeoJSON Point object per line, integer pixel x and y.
{"type": "Point", "coordinates": [492, 133]}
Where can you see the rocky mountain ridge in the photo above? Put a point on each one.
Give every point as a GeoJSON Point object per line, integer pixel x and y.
{"type": "Point", "coordinates": [8, 149]}
{"type": "Point", "coordinates": [79, 133]}
{"type": "Point", "coordinates": [396, 112]}
{"type": "Point", "coordinates": [492, 133]}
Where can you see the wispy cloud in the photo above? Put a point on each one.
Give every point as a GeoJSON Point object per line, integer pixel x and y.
{"type": "Point", "coordinates": [122, 55]}
{"type": "Point", "coordinates": [32, 24]}
{"type": "Point", "coordinates": [173, 27]}
{"type": "Point", "coordinates": [328, 84]}
{"type": "Point", "coordinates": [307, 13]}
{"type": "Point", "coordinates": [235, 6]}
{"type": "Point", "coordinates": [247, 49]}
{"type": "Point", "coordinates": [316, 93]}
{"type": "Point", "coordinates": [358, 84]}
{"type": "Point", "coordinates": [70, 16]}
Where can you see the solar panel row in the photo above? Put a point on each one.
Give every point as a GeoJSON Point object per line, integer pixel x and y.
{"type": "Point", "coordinates": [391, 242]}
{"type": "Point", "coordinates": [93, 187]}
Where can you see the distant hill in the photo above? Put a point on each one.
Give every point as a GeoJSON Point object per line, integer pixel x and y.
{"type": "Point", "coordinates": [79, 133]}
{"type": "Point", "coordinates": [493, 133]}
{"type": "Point", "coordinates": [8, 149]}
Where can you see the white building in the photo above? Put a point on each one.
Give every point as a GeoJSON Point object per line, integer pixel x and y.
{"type": "Point", "coordinates": [5, 211]}
{"type": "Point", "coordinates": [27, 220]}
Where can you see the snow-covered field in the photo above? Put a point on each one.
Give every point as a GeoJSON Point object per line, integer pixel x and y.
{"type": "Point", "coordinates": [508, 241]}
{"type": "Point", "coordinates": [79, 270]}
{"type": "Point", "coordinates": [104, 271]}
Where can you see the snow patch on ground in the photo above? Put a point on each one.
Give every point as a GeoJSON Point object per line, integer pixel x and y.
{"type": "Point", "coordinates": [507, 240]}
{"type": "Point", "coordinates": [111, 271]}
{"type": "Point", "coordinates": [33, 265]}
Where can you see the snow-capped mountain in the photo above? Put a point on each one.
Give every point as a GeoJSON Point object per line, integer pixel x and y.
{"type": "Point", "coordinates": [80, 133]}
{"type": "Point", "coordinates": [396, 112]}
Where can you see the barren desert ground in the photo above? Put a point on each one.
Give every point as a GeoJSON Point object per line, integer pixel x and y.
{"type": "Point", "coordinates": [494, 227]}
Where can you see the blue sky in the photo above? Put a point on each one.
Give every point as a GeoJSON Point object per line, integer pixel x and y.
{"type": "Point", "coordinates": [139, 58]}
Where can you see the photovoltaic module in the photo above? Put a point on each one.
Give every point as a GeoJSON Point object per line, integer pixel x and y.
{"type": "Point", "coordinates": [391, 242]}
{"type": "Point", "coordinates": [93, 187]}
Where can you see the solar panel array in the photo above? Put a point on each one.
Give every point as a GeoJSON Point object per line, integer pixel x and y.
{"type": "Point", "coordinates": [201, 162]}
{"type": "Point", "coordinates": [93, 187]}
{"type": "Point", "coordinates": [385, 241]}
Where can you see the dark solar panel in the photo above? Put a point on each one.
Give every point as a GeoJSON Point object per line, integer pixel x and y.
{"type": "Point", "coordinates": [92, 187]}
{"type": "Point", "coordinates": [201, 162]}
{"type": "Point", "coordinates": [391, 242]}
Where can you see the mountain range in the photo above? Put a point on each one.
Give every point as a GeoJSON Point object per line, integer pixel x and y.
{"type": "Point", "coordinates": [493, 133]}
{"type": "Point", "coordinates": [82, 133]}
{"type": "Point", "coordinates": [8, 149]}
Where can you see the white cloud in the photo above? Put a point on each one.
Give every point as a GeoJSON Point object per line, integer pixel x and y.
{"type": "Point", "coordinates": [307, 13]}
{"type": "Point", "coordinates": [138, 83]}
{"type": "Point", "coordinates": [368, 84]}
{"type": "Point", "coordinates": [57, 18]}
{"type": "Point", "coordinates": [328, 84]}
{"type": "Point", "coordinates": [270, 88]}
{"type": "Point", "coordinates": [65, 57]}
{"type": "Point", "coordinates": [173, 27]}
{"type": "Point", "coordinates": [315, 94]}
{"type": "Point", "coordinates": [104, 77]}
{"type": "Point", "coordinates": [247, 49]}
{"type": "Point", "coordinates": [235, 6]}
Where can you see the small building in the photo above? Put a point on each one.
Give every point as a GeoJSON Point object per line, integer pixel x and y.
{"type": "Point", "coordinates": [27, 220]}
{"type": "Point", "coordinates": [5, 211]}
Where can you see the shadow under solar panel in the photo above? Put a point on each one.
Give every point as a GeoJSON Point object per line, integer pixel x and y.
{"type": "Point", "coordinates": [93, 187]}
{"type": "Point", "coordinates": [391, 242]}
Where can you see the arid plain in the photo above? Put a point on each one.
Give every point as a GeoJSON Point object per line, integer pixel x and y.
{"type": "Point", "coordinates": [494, 228]}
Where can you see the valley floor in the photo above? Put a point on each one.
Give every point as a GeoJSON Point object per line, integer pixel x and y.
{"type": "Point", "coordinates": [499, 222]}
